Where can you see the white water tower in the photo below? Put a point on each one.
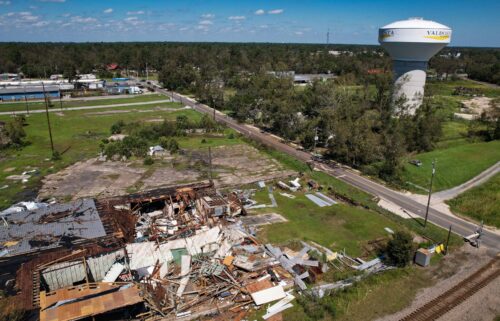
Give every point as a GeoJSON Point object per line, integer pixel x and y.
{"type": "Point", "coordinates": [411, 43]}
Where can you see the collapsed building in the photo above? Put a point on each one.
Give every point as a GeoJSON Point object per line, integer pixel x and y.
{"type": "Point", "coordinates": [174, 253]}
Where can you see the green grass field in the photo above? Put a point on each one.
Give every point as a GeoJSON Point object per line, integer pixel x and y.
{"type": "Point", "coordinates": [19, 106]}
{"type": "Point", "coordinates": [482, 203]}
{"type": "Point", "coordinates": [76, 135]}
{"type": "Point", "coordinates": [454, 165]}
{"type": "Point", "coordinates": [446, 88]}
{"type": "Point", "coordinates": [338, 227]}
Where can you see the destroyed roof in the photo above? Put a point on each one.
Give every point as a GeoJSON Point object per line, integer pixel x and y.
{"type": "Point", "coordinates": [214, 200]}
{"type": "Point", "coordinates": [159, 193]}
{"type": "Point", "coordinates": [50, 227]}
{"type": "Point", "coordinates": [87, 300]}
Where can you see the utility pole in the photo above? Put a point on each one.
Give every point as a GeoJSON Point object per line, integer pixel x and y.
{"type": "Point", "coordinates": [210, 163]}
{"type": "Point", "coordinates": [26, 101]}
{"type": "Point", "coordinates": [315, 138]}
{"type": "Point", "coordinates": [447, 241]}
{"type": "Point", "coordinates": [430, 192]}
{"type": "Point", "coordinates": [328, 37]}
{"type": "Point", "coordinates": [60, 98]}
{"type": "Point", "coordinates": [48, 118]}
{"type": "Point", "coordinates": [147, 72]}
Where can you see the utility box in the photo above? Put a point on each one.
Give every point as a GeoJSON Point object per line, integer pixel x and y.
{"type": "Point", "coordinates": [423, 257]}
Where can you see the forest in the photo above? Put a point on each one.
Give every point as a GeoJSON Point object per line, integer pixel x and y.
{"type": "Point", "coordinates": [353, 116]}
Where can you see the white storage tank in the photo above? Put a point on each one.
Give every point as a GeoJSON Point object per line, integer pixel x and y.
{"type": "Point", "coordinates": [411, 43]}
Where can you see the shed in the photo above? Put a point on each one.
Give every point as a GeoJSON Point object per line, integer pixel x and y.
{"type": "Point", "coordinates": [423, 257]}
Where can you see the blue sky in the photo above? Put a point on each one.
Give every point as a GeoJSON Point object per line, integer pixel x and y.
{"type": "Point", "coordinates": [474, 23]}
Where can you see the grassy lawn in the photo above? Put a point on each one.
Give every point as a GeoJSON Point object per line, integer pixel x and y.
{"type": "Point", "coordinates": [481, 203]}
{"type": "Point", "coordinates": [446, 88]}
{"type": "Point", "coordinates": [454, 165]}
{"type": "Point", "coordinates": [338, 227]}
{"type": "Point", "coordinates": [76, 135]}
{"type": "Point", "coordinates": [78, 103]}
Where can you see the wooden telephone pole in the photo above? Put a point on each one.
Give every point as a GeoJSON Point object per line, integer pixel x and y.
{"type": "Point", "coordinates": [430, 192]}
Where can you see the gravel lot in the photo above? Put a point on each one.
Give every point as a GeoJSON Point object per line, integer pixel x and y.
{"type": "Point", "coordinates": [483, 305]}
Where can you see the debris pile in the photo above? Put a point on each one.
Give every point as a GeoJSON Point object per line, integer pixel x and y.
{"type": "Point", "coordinates": [171, 253]}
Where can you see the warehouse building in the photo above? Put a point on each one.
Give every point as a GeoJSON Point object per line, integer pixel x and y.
{"type": "Point", "coordinates": [28, 92]}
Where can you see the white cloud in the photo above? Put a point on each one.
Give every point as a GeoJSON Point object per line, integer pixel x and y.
{"type": "Point", "coordinates": [205, 22]}
{"type": "Point", "coordinates": [130, 13]}
{"type": "Point", "coordinates": [237, 18]}
{"type": "Point", "coordinates": [275, 11]}
{"type": "Point", "coordinates": [260, 12]}
{"type": "Point", "coordinates": [299, 33]}
{"type": "Point", "coordinates": [109, 10]}
{"type": "Point", "coordinates": [40, 24]}
{"type": "Point", "coordinates": [79, 19]}
{"type": "Point", "coordinates": [4, 3]}
{"type": "Point", "coordinates": [208, 16]}
{"type": "Point", "coordinates": [58, 1]}
{"type": "Point", "coordinates": [131, 19]}
{"type": "Point", "coordinates": [183, 28]}
{"type": "Point", "coordinates": [263, 26]}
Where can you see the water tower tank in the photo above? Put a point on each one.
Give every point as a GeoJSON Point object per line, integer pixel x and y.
{"type": "Point", "coordinates": [411, 43]}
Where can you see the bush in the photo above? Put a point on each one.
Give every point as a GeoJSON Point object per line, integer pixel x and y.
{"type": "Point", "coordinates": [400, 249]}
{"type": "Point", "coordinates": [148, 161]}
{"type": "Point", "coordinates": [117, 127]}
{"type": "Point", "coordinates": [230, 136]}
{"type": "Point", "coordinates": [203, 141]}
{"type": "Point", "coordinates": [164, 142]}
{"type": "Point", "coordinates": [173, 146]}
{"type": "Point", "coordinates": [56, 156]}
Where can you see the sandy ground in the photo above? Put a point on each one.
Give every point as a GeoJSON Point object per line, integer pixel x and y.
{"type": "Point", "coordinates": [477, 105]}
{"type": "Point", "coordinates": [483, 305]}
{"type": "Point", "coordinates": [233, 166]}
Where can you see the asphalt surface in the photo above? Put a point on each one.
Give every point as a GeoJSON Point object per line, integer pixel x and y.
{"type": "Point", "coordinates": [459, 225]}
{"type": "Point", "coordinates": [58, 110]}
{"type": "Point", "coordinates": [475, 181]}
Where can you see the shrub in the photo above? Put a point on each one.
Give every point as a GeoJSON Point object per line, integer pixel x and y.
{"type": "Point", "coordinates": [117, 127]}
{"type": "Point", "coordinates": [148, 161]}
{"type": "Point", "coordinates": [400, 249]}
{"type": "Point", "coordinates": [173, 146]}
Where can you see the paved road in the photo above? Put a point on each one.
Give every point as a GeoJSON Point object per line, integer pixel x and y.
{"type": "Point", "coordinates": [460, 226]}
{"type": "Point", "coordinates": [58, 110]}
{"type": "Point", "coordinates": [475, 181]}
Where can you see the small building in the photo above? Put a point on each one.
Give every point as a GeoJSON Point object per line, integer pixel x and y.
{"type": "Point", "coordinates": [9, 76]}
{"type": "Point", "coordinates": [28, 92]}
{"type": "Point", "coordinates": [56, 77]}
{"type": "Point", "coordinates": [113, 67]}
{"type": "Point", "coordinates": [423, 257]}
{"type": "Point", "coordinates": [309, 78]}
{"type": "Point", "coordinates": [123, 89]}
{"type": "Point", "coordinates": [214, 205]}
{"type": "Point", "coordinates": [157, 151]}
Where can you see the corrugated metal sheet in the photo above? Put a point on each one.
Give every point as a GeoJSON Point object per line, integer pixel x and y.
{"type": "Point", "coordinates": [63, 274]}
{"type": "Point", "coordinates": [79, 220]}
{"type": "Point", "coordinates": [100, 265]}
{"type": "Point", "coordinates": [316, 200]}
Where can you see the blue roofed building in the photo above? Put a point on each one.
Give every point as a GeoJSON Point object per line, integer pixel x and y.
{"type": "Point", "coordinates": [28, 92]}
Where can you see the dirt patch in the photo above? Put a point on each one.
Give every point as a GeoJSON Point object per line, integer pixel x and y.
{"type": "Point", "coordinates": [243, 164]}
{"type": "Point", "coordinates": [232, 166]}
{"type": "Point", "coordinates": [476, 105]}
{"type": "Point", "coordinates": [484, 305]}
{"type": "Point", "coordinates": [91, 178]}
